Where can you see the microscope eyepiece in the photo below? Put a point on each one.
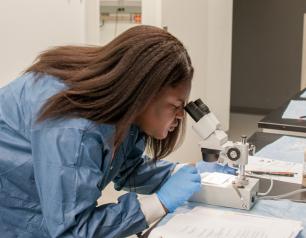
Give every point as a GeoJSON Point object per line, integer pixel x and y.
{"type": "Point", "coordinates": [194, 111]}
{"type": "Point", "coordinates": [197, 109]}
{"type": "Point", "coordinates": [202, 106]}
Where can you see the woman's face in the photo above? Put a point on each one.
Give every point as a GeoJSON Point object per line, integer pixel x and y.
{"type": "Point", "coordinates": [163, 112]}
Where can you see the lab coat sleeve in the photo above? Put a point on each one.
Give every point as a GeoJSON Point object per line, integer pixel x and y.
{"type": "Point", "coordinates": [141, 174]}
{"type": "Point", "coordinates": [67, 164]}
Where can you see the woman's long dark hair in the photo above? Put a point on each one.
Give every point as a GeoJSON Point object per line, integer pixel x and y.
{"type": "Point", "coordinates": [114, 83]}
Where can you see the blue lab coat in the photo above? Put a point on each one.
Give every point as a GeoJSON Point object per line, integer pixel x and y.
{"type": "Point", "coordinates": [52, 173]}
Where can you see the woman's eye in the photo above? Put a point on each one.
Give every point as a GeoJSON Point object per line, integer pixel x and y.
{"type": "Point", "coordinates": [176, 108]}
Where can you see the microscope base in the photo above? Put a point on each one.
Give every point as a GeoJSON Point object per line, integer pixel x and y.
{"type": "Point", "coordinates": [227, 195]}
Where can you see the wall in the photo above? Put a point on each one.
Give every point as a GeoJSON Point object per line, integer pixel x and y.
{"type": "Point", "coordinates": [92, 22]}
{"type": "Point", "coordinates": [29, 27]}
{"type": "Point", "coordinates": [109, 30]}
{"type": "Point", "coordinates": [151, 12]}
{"type": "Point", "coordinates": [267, 53]}
{"type": "Point", "coordinates": [303, 76]}
{"type": "Point", "coordinates": [205, 29]}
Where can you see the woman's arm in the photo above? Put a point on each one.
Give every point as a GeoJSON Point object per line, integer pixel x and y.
{"type": "Point", "coordinates": [67, 167]}
{"type": "Point", "coordinates": [141, 174]}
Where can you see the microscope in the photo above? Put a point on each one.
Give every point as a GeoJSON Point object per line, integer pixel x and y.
{"type": "Point", "coordinates": [236, 191]}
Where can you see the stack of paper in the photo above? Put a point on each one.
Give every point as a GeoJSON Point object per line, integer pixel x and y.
{"type": "Point", "coordinates": [261, 164]}
{"type": "Point", "coordinates": [286, 154]}
{"type": "Point", "coordinates": [286, 148]}
{"type": "Point", "coordinates": [216, 178]}
{"type": "Point", "coordinates": [212, 223]}
{"type": "Point", "coordinates": [303, 95]}
{"type": "Point", "coordinates": [295, 110]}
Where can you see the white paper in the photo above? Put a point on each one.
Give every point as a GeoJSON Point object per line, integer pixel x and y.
{"type": "Point", "coordinates": [286, 148]}
{"type": "Point", "coordinates": [257, 163]}
{"type": "Point", "coordinates": [303, 95]}
{"type": "Point", "coordinates": [295, 109]}
{"type": "Point", "coordinates": [212, 223]}
{"type": "Point", "coordinates": [216, 178]}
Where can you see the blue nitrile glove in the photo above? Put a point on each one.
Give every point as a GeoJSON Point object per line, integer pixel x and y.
{"type": "Point", "coordinates": [203, 166]}
{"type": "Point", "coordinates": [179, 187]}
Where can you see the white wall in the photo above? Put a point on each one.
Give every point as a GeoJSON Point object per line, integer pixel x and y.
{"type": "Point", "coordinates": [92, 22]}
{"type": "Point", "coordinates": [303, 71]}
{"type": "Point", "coordinates": [218, 57]}
{"type": "Point", "coordinates": [151, 12]}
{"type": "Point", "coordinates": [205, 28]}
{"type": "Point", "coordinates": [110, 30]}
{"type": "Point", "coordinates": [29, 27]}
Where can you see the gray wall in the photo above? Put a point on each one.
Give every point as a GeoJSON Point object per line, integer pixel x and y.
{"type": "Point", "coordinates": [267, 53]}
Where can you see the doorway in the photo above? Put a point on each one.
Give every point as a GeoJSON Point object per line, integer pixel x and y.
{"type": "Point", "coordinates": [266, 53]}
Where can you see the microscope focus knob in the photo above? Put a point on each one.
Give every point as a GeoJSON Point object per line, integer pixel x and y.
{"type": "Point", "coordinates": [233, 154]}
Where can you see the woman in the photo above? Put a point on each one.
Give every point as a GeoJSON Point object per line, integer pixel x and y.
{"type": "Point", "coordinates": [81, 117]}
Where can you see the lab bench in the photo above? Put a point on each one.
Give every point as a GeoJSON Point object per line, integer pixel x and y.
{"type": "Point", "coordinates": [292, 208]}
{"type": "Point", "coordinates": [261, 139]}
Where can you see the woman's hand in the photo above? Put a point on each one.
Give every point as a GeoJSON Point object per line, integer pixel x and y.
{"type": "Point", "coordinates": [179, 187]}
